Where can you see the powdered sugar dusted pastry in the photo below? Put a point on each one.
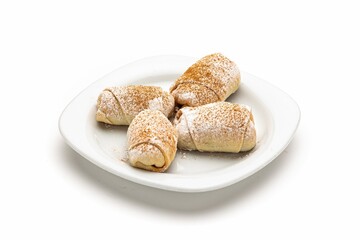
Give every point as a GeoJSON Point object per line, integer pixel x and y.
{"type": "Point", "coordinates": [216, 127]}
{"type": "Point", "coordinates": [211, 79]}
{"type": "Point", "coordinates": [119, 105]}
{"type": "Point", "coordinates": [152, 141]}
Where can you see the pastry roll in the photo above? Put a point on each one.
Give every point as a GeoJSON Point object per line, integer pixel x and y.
{"type": "Point", "coordinates": [211, 79]}
{"type": "Point", "coordinates": [119, 105]}
{"type": "Point", "coordinates": [152, 141]}
{"type": "Point", "coordinates": [216, 127]}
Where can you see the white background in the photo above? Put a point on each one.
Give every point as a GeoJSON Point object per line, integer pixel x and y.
{"type": "Point", "coordinates": [51, 50]}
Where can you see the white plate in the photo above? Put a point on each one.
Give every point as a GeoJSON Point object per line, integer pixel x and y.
{"type": "Point", "coordinates": [276, 119]}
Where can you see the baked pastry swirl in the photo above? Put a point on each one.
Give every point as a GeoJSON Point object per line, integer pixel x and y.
{"type": "Point", "coordinates": [152, 141]}
{"type": "Point", "coordinates": [119, 105]}
{"type": "Point", "coordinates": [216, 127]}
{"type": "Point", "coordinates": [211, 79]}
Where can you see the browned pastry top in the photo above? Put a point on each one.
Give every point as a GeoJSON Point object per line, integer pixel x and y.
{"type": "Point", "coordinates": [215, 71]}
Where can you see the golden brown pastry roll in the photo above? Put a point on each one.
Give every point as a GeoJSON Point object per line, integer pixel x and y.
{"type": "Point", "coordinates": [216, 127]}
{"type": "Point", "coordinates": [211, 79]}
{"type": "Point", "coordinates": [119, 105]}
{"type": "Point", "coordinates": [152, 141]}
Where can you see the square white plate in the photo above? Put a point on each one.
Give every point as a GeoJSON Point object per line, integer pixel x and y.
{"type": "Point", "coordinates": [276, 117]}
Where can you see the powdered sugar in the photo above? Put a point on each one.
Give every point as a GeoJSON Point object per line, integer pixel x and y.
{"type": "Point", "coordinates": [156, 104]}
{"type": "Point", "coordinates": [188, 96]}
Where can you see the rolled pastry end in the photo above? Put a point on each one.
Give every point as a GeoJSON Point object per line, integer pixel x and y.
{"type": "Point", "coordinates": [249, 141]}
{"type": "Point", "coordinates": [108, 109]}
{"type": "Point", "coordinates": [101, 117]}
{"type": "Point", "coordinates": [169, 106]}
{"type": "Point", "coordinates": [193, 95]}
{"type": "Point", "coordinates": [185, 140]}
{"type": "Point", "coordinates": [148, 157]}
